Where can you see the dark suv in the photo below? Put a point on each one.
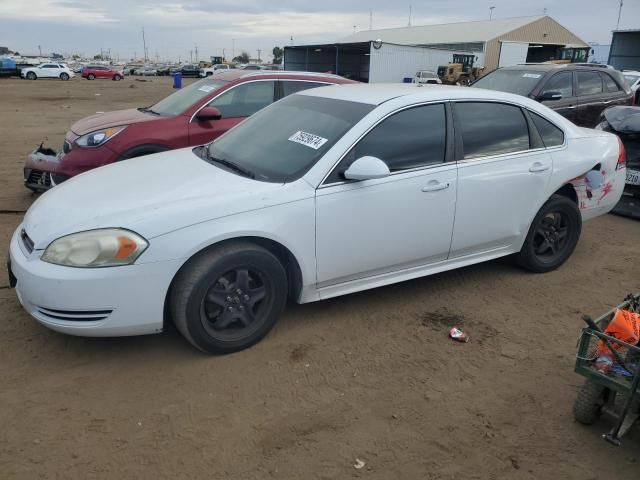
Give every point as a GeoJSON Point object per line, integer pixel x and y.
{"type": "Point", "coordinates": [577, 92]}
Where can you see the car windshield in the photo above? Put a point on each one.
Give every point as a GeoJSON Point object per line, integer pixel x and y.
{"type": "Point", "coordinates": [179, 101]}
{"type": "Point", "coordinates": [631, 79]}
{"type": "Point", "coordinates": [521, 82]}
{"type": "Point", "coordinates": [281, 142]}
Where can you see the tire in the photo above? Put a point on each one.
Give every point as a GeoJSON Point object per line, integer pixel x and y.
{"type": "Point", "coordinates": [218, 309]}
{"type": "Point", "coordinates": [64, 76]}
{"type": "Point", "coordinates": [552, 237]}
{"type": "Point", "coordinates": [31, 75]}
{"type": "Point", "coordinates": [209, 74]}
{"type": "Point", "coordinates": [91, 76]}
{"type": "Point", "coordinates": [588, 405]}
{"type": "Point", "coordinates": [117, 78]}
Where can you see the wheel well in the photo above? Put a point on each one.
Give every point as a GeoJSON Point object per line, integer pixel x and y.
{"type": "Point", "coordinates": [568, 191]}
{"type": "Point", "coordinates": [140, 150]}
{"type": "Point", "coordinates": [282, 253]}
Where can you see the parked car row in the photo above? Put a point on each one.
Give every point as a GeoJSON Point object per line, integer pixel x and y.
{"type": "Point", "coordinates": [47, 70]}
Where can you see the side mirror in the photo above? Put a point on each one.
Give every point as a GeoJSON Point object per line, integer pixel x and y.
{"type": "Point", "coordinates": [550, 95]}
{"type": "Point", "coordinates": [367, 168]}
{"type": "Point", "coordinates": [209, 113]}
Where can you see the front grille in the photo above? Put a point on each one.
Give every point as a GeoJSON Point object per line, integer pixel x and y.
{"type": "Point", "coordinates": [74, 315]}
{"type": "Point", "coordinates": [26, 241]}
{"type": "Point", "coordinates": [66, 146]}
{"type": "Point", "coordinates": [38, 178]}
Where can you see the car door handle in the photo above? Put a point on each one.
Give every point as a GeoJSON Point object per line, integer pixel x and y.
{"type": "Point", "coordinates": [539, 167]}
{"type": "Point", "coordinates": [434, 186]}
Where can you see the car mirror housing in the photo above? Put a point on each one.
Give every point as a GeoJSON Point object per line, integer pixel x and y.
{"type": "Point", "coordinates": [209, 113]}
{"type": "Point", "coordinates": [367, 168]}
{"type": "Point", "coordinates": [550, 95]}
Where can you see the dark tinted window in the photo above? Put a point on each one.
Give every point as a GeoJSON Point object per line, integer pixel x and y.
{"type": "Point", "coordinates": [609, 83]}
{"type": "Point", "coordinates": [411, 138]}
{"type": "Point", "coordinates": [292, 86]}
{"type": "Point", "coordinates": [589, 83]}
{"type": "Point", "coordinates": [551, 135]}
{"type": "Point", "coordinates": [245, 99]}
{"type": "Point", "coordinates": [521, 82]}
{"type": "Point", "coordinates": [560, 82]}
{"type": "Point", "coordinates": [491, 129]}
{"type": "Point", "coordinates": [282, 141]}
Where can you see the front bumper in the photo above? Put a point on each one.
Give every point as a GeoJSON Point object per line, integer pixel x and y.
{"type": "Point", "coordinates": [92, 302]}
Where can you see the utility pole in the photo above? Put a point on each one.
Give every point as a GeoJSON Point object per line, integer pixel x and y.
{"type": "Point", "coordinates": [233, 48]}
{"type": "Point", "coordinates": [40, 48]}
{"type": "Point", "coordinates": [370, 20]}
{"type": "Point", "coordinates": [291, 40]}
{"type": "Point", "coordinates": [410, 11]}
{"type": "Point", "coordinates": [491, 13]}
{"type": "Point", "coordinates": [196, 48]}
{"type": "Point", "coordinates": [619, 13]}
{"type": "Point", "coordinates": [190, 56]}
{"type": "Point", "coordinates": [144, 44]}
{"type": "Point", "coordinates": [259, 55]}
{"type": "Point", "coordinates": [354, 28]}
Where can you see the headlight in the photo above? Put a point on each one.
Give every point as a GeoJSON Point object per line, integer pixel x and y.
{"type": "Point", "coordinates": [98, 137]}
{"type": "Point", "coordinates": [108, 247]}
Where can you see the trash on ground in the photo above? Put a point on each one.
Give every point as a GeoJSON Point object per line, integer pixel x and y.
{"type": "Point", "coordinates": [458, 335]}
{"type": "Point", "coordinates": [359, 464]}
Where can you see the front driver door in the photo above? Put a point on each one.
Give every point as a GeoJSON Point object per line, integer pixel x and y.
{"type": "Point", "coordinates": [235, 104]}
{"type": "Point", "coordinates": [567, 106]}
{"type": "Point", "coordinates": [372, 227]}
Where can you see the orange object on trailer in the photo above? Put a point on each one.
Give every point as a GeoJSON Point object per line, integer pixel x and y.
{"type": "Point", "coordinates": [625, 326]}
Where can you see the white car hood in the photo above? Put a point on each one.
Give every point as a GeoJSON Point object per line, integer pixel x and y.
{"type": "Point", "coordinates": [151, 195]}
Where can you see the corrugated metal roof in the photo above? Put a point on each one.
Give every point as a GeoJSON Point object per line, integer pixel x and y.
{"type": "Point", "coordinates": [479, 31]}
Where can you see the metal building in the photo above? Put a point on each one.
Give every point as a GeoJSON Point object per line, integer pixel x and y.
{"type": "Point", "coordinates": [500, 42]}
{"type": "Point", "coordinates": [625, 50]}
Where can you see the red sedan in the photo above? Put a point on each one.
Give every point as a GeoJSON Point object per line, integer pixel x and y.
{"type": "Point", "coordinates": [194, 115]}
{"type": "Point", "coordinates": [91, 72]}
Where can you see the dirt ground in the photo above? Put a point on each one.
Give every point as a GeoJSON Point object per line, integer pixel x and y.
{"type": "Point", "coordinates": [369, 376]}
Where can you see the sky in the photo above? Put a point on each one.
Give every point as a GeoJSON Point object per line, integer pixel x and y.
{"type": "Point", "coordinates": [175, 28]}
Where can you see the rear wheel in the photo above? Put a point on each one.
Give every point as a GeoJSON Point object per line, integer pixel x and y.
{"type": "Point", "coordinates": [117, 77]}
{"type": "Point", "coordinates": [31, 75]}
{"type": "Point", "coordinates": [64, 76]}
{"type": "Point", "coordinates": [91, 76]}
{"type": "Point", "coordinates": [228, 298]}
{"type": "Point", "coordinates": [552, 237]}
{"type": "Point", "coordinates": [589, 402]}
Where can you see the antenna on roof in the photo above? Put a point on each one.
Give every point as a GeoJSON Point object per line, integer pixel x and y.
{"type": "Point", "coordinates": [409, 15]}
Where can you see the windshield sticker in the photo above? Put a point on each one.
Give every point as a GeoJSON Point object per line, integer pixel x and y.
{"type": "Point", "coordinates": [207, 88]}
{"type": "Point", "coordinates": [308, 139]}
{"type": "Point", "coordinates": [531, 75]}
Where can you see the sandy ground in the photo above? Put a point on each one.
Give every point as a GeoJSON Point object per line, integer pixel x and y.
{"type": "Point", "coordinates": [370, 376]}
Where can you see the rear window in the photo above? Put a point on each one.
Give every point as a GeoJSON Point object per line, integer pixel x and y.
{"type": "Point", "coordinates": [609, 83]}
{"type": "Point", "coordinates": [551, 135]}
{"type": "Point", "coordinates": [179, 101]}
{"type": "Point", "coordinates": [521, 82]}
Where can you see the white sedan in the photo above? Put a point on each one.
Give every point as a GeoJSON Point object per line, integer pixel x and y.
{"type": "Point", "coordinates": [326, 192]}
{"type": "Point", "coordinates": [47, 70]}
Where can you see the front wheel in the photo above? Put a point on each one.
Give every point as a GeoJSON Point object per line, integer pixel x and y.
{"type": "Point", "coordinates": [228, 298]}
{"type": "Point", "coordinates": [64, 76]}
{"type": "Point", "coordinates": [91, 76]}
{"type": "Point", "coordinates": [31, 75]}
{"type": "Point", "coordinates": [552, 237]}
{"type": "Point", "coordinates": [117, 78]}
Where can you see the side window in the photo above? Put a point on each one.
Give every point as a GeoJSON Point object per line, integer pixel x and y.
{"type": "Point", "coordinates": [551, 135]}
{"type": "Point", "coordinates": [49, 66]}
{"type": "Point", "coordinates": [245, 99]}
{"type": "Point", "coordinates": [610, 83]}
{"type": "Point", "coordinates": [292, 86]}
{"type": "Point", "coordinates": [589, 83]}
{"type": "Point", "coordinates": [411, 138]}
{"type": "Point", "coordinates": [491, 129]}
{"type": "Point", "coordinates": [560, 82]}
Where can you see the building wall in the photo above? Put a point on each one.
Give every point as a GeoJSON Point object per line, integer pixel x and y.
{"type": "Point", "coordinates": [544, 30]}
{"type": "Point", "coordinates": [625, 50]}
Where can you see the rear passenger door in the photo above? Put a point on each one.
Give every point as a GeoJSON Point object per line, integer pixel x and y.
{"type": "Point", "coordinates": [591, 97]}
{"type": "Point", "coordinates": [289, 87]}
{"type": "Point", "coordinates": [503, 172]}
{"type": "Point", "coordinates": [566, 106]}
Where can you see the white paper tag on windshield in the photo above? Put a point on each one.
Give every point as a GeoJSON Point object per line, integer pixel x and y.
{"type": "Point", "coordinates": [308, 139]}
{"type": "Point", "coordinates": [531, 75]}
{"type": "Point", "coordinates": [207, 88]}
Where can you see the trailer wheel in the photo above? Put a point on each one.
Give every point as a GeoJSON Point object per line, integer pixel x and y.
{"type": "Point", "coordinates": [588, 405]}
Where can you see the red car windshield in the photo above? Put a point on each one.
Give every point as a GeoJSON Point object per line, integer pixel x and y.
{"type": "Point", "coordinates": [179, 101]}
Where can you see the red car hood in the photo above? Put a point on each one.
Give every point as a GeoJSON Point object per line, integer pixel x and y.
{"type": "Point", "coordinates": [111, 119]}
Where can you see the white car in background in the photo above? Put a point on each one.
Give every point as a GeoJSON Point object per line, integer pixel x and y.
{"type": "Point", "coordinates": [220, 67]}
{"type": "Point", "coordinates": [326, 192]}
{"type": "Point", "coordinates": [47, 70]}
{"type": "Point", "coordinates": [427, 77]}
{"type": "Point", "coordinates": [633, 79]}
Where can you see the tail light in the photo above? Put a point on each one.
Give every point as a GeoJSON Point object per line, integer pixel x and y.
{"type": "Point", "coordinates": [622, 156]}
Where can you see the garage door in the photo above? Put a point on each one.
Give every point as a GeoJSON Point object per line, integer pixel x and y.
{"type": "Point", "coordinates": [513, 53]}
